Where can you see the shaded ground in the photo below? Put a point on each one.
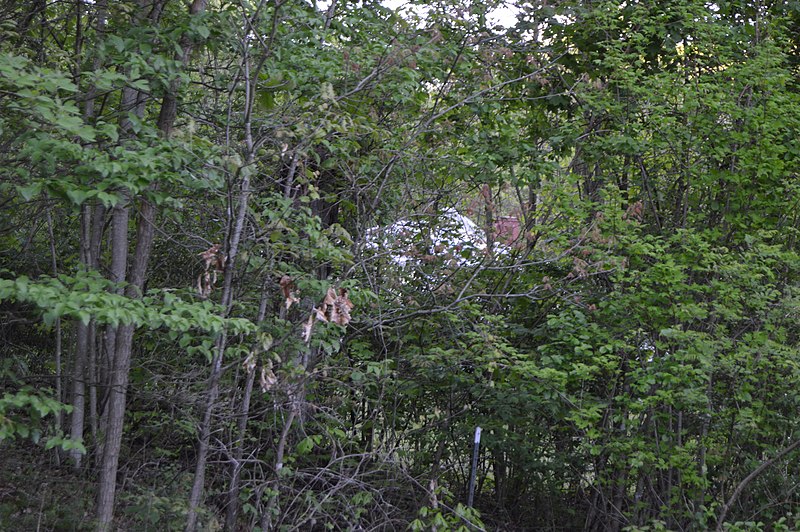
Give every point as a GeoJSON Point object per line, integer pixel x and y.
{"type": "Point", "coordinates": [36, 494]}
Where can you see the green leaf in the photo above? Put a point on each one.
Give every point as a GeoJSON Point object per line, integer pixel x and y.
{"type": "Point", "coordinates": [31, 191]}
{"type": "Point", "coordinates": [79, 196]}
{"type": "Point", "coordinates": [305, 445]}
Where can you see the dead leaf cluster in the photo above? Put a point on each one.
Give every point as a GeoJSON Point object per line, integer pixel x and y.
{"type": "Point", "coordinates": [335, 308]}
{"type": "Point", "coordinates": [287, 288]}
{"type": "Point", "coordinates": [635, 211]}
{"type": "Point", "coordinates": [214, 262]}
{"type": "Point", "coordinates": [268, 379]}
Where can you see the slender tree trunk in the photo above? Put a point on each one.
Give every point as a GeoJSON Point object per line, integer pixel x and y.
{"type": "Point", "coordinates": [81, 347]}
{"type": "Point", "coordinates": [274, 500]}
{"type": "Point", "coordinates": [59, 386]}
{"type": "Point", "coordinates": [232, 512]}
{"type": "Point", "coordinates": [119, 263]}
{"type": "Point", "coordinates": [216, 364]}
{"type": "Point", "coordinates": [115, 409]}
{"type": "Point", "coordinates": [205, 436]}
{"type": "Point", "coordinates": [78, 391]}
{"type": "Point", "coordinates": [102, 11]}
{"type": "Point", "coordinates": [233, 240]}
{"type": "Point", "coordinates": [91, 371]}
{"type": "Point", "coordinates": [98, 211]}
{"type": "Point", "coordinates": [124, 338]}
{"type": "Point", "coordinates": [121, 371]}
{"type": "Point", "coordinates": [702, 471]}
{"type": "Point", "coordinates": [58, 335]}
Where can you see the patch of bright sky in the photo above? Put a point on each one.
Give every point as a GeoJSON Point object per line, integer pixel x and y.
{"type": "Point", "coordinates": [505, 16]}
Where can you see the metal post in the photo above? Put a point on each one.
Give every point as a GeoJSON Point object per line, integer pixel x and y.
{"type": "Point", "coordinates": [474, 471]}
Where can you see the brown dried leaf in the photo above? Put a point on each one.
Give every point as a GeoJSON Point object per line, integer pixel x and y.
{"type": "Point", "coordinates": [205, 284]}
{"type": "Point", "coordinates": [334, 314]}
{"type": "Point", "coordinates": [307, 328]}
{"type": "Point", "coordinates": [330, 297]}
{"type": "Point", "coordinates": [268, 379]}
{"type": "Point", "coordinates": [340, 313]}
{"type": "Point", "coordinates": [635, 211]}
{"type": "Point", "coordinates": [287, 285]}
{"type": "Point", "coordinates": [210, 254]}
{"type": "Point", "coordinates": [266, 342]}
{"type": "Point", "coordinates": [207, 279]}
{"type": "Point", "coordinates": [291, 300]}
{"type": "Point", "coordinates": [320, 315]}
{"type": "Point", "coordinates": [250, 362]}
{"type": "Point", "coordinates": [345, 300]}
{"type": "Point", "coordinates": [579, 267]}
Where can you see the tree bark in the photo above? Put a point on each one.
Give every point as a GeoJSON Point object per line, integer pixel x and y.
{"type": "Point", "coordinates": [78, 391]}
{"type": "Point", "coordinates": [120, 373]}
{"type": "Point", "coordinates": [232, 249]}
{"type": "Point", "coordinates": [81, 347]}
{"type": "Point", "coordinates": [749, 478]}
{"type": "Point", "coordinates": [274, 500]}
{"type": "Point", "coordinates": [58, 336]}
{"type": "Point", "coordinates": [232, 511]}
{"type": "Point", "coordinates": [124, 338]}
{"type": "Point", "coordinates": [119, 262]}
{"type": "Point", "coordinates": [216, 364]}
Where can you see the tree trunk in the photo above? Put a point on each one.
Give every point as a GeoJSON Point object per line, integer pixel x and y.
{"type": "Point", "coordinates": [120, 373]}
{"type": "Point", "coordinates": [216, 364]}
{"type": "Point", "coordinates": [232, 512]}
{"type": "Point", "coordinates": [232, 249]}
{"type": "Point", "coordinates": [58, 336]}
{"type": "Point", "coordinates": [78, 391]}
{"type": "Point", "coordinates": [124, 337]}
{"type": "Point", "coordinates": [274, 500]}
{"type": "Point", "coordinates": [119, 263]}
{"type": "Point", "coordinates": [81, 347]}
{"type": "Point", "coordinates": [91, 371]}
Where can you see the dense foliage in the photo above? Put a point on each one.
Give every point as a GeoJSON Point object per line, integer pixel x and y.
{"type": "Point", "coordinates": [234, 291]}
